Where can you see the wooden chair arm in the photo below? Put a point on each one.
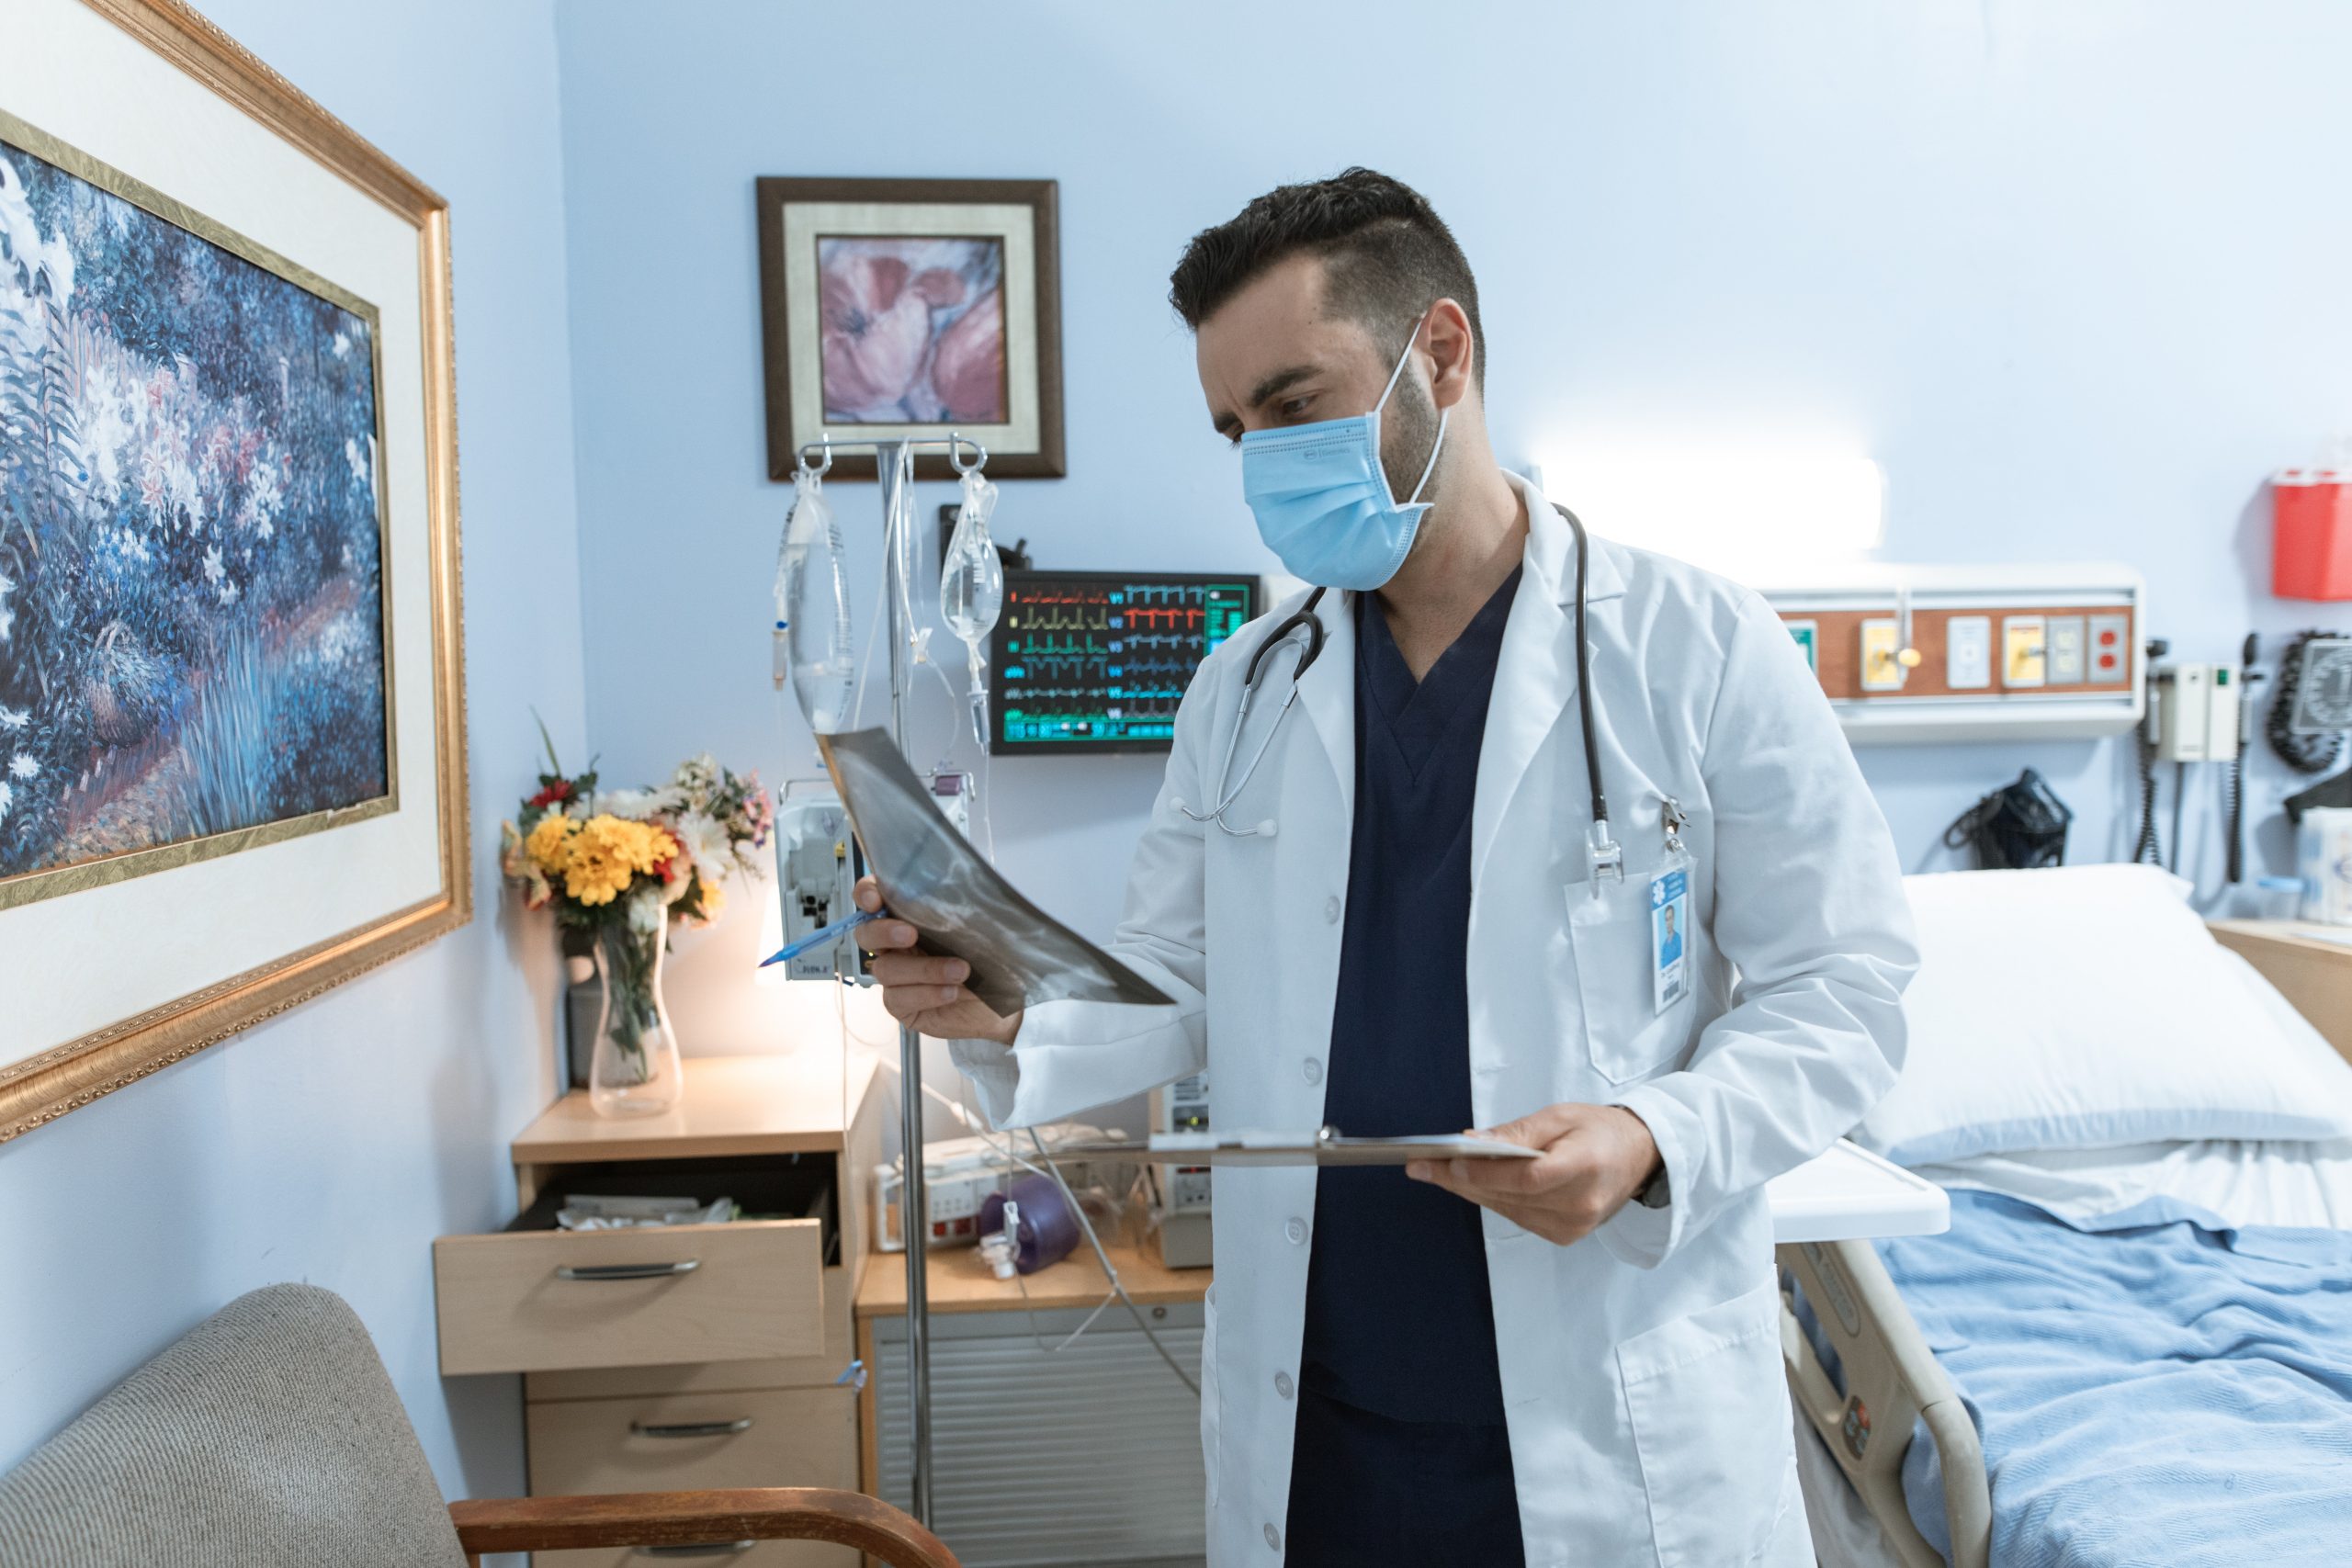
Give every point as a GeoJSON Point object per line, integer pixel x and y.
{"type": "Point", "coordinates": [680, 1518]}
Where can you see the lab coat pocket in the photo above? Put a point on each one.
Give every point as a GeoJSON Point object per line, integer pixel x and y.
{"type": "Point", "coordinates": [1209, 1413]}
{"type": "Point", "coordinates": [1627, 1036]}
{"type": "Point", "coordinates": [1709, 1414]}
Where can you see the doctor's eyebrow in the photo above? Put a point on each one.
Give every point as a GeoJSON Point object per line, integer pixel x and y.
{"type": "Point", "coordinates": [1229, 425]}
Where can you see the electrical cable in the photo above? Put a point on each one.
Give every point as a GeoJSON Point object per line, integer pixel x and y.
{"type": "Point", "coordinates": [970, 1118]}
{"type": "Point", "coordinates": [2236, 814]}
{"type": "Point", "coordinates": [2147, 851]}
{"type": "Point", "coordinates": [2179, 797]}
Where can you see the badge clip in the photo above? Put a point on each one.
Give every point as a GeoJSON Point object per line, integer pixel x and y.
{"type": "Point", "coordinates": [1671, 812]}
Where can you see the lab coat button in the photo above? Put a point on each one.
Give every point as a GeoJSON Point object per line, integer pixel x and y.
{"type": "Point", "coordinates": [1312, 1070]}
{"type": "Point", "coordinates": [1332, 910]}
{"type": "Point", "coordinates": [1273, 1538]}
{"type": "Point", "coordinates": [1296, 1229]}
{"type": "Point", "coordinates": [1283, 1386]}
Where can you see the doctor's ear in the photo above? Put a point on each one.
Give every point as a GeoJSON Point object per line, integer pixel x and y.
{"type": "Point", "coordinates": [1453, 352]}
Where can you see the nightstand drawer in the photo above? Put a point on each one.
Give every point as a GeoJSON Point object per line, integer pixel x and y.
{"type": "Point", "coordinates": [539, 1300]}
{"type": "Point", "coordinates": [772, 1437]}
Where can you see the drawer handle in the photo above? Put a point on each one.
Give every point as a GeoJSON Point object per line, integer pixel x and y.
{"type": "Point", "coordinates": [692, 1428]}
{"type": "Point", "coordinates": [699, 1548]}
{"type": "Point", "coordinates": [627, 1270]}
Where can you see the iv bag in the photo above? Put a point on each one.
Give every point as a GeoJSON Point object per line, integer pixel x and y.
{"type": "Point", "coordinates": [812, 607]}
{"type": "Point", "coordinates": [971, 590]}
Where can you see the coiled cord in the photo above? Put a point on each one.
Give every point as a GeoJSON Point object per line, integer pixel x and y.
{"type": "Point", "coordinates": [2147, 851]}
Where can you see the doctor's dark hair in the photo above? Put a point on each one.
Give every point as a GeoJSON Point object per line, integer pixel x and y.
{"type": "Point", "coordinates": [1386, 254]}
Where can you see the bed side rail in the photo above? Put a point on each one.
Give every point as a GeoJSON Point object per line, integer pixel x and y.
{"type": "Point", "coordinates": [1891, 1380]}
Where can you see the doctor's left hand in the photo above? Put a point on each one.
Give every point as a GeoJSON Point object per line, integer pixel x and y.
{"type": "Point", "coordinates": [1595, 1158]}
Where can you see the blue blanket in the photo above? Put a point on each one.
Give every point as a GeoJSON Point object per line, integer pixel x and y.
{"type": "Point", "coordinates": [2160, 1394]}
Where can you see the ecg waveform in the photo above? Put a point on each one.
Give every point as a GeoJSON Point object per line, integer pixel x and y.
{"type": "Point", "coordinates": [1099, 662]}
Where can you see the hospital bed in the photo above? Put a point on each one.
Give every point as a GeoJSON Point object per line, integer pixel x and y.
{"type": "Point", "coordinates": [2134, 1342]}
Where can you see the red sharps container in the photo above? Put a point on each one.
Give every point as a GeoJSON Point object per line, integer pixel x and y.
{"type": "Point", "coordinates": [2310, 543]}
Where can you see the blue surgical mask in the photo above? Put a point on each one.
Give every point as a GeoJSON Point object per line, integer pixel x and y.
{"type": "Point", "coordinates": [1322, 500]}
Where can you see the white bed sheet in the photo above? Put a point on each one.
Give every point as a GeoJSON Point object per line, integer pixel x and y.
{"type": "Point", "coordinates": [2240, 1183]}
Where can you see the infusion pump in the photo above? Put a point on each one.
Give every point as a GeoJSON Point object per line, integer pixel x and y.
{"type": "Point", "coordinates": [818, 864]}
{"type": "Point", "coordinates": [1180, 1193]}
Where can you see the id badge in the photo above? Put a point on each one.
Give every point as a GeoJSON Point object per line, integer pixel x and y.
{"type": "Point", "coordinates": [1670, 933]}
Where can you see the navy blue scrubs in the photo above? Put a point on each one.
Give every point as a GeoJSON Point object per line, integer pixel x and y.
{"type": "Point", "coordinates": [1401, 1455]}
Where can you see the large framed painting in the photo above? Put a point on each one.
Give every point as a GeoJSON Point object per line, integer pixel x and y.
{"type": "Point", "coordinates": [231, 743]}
{"type": "Point", "coordinates": [912, 307]}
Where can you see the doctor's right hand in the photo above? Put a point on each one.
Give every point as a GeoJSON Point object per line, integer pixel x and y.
{"type": "Point", "coordinates": [919, 989]}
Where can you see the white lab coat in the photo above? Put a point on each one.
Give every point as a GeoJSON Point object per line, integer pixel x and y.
{"type": "Point", "coordinates": [1641, 1368]}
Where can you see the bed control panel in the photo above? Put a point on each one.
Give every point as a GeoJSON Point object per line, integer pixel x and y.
{"type": "Point", "coordinates": [1937, 653]}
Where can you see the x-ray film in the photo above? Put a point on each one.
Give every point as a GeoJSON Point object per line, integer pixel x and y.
{"type": "Point", "coordinates": [931, 877]}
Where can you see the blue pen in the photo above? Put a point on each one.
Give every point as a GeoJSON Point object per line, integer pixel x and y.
{"type": "Point", "coordinates": [820, 938]}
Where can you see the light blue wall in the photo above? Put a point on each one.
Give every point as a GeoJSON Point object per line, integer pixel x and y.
{"type": "Point", "coordinates": [332, 1145]}
{"type": "Point", "coordinates": [2073, 275]}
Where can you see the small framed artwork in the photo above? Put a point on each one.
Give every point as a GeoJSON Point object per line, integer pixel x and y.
{"type": "Point", "coordinates": [912, 307]}
{"type": "Point", "coordinates": [232, 696]}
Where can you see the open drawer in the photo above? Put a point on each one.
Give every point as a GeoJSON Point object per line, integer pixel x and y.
{"type": "Point", "coordinates": [533, 1297]}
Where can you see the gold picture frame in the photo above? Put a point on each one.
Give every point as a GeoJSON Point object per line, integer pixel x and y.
{"type": "Point", "coordinates": [54, 1076]}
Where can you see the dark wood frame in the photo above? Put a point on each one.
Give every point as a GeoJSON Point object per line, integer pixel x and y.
{"type": "Point", "coordinates": [684, 1518]}
{"type": "Point", "coordinates": [775, 192]}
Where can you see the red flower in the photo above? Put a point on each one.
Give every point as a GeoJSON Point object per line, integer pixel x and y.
{"type": "Point", "coordinates": [558, 791]}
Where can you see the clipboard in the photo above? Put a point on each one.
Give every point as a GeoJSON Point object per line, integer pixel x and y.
{"type": "Point", "coordinates": [1324, 1147]}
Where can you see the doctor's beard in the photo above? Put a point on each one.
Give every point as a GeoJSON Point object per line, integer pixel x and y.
{"type": "Point", "coordinates": [1407, 425]}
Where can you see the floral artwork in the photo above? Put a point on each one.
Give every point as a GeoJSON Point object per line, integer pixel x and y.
{"type": "Point", "coordinates": [913, 330]}
{"type": "Point", "coordinates": [191, 576]}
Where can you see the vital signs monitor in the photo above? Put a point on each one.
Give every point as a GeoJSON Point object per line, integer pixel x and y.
{"type": "Point", "coordinates": [1098, 660]}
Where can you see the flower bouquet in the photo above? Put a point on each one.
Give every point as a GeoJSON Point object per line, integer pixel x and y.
{"type": "Point", "coordinates": [617, 866]}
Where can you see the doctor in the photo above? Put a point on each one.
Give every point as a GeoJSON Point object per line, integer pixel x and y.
{"type": "Point", "coordinates": [1410, 886]}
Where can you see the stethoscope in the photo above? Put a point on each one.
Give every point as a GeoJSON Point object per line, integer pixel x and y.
{"type": "Point", "coordinates": [1607, 858]}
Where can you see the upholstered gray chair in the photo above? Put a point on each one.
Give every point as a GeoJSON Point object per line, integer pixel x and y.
{"type": "Point", "coordinates": [270, 1437]}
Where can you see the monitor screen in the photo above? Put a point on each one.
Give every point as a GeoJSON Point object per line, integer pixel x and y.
{"type": "Point", "coordinates": [1098, 660]}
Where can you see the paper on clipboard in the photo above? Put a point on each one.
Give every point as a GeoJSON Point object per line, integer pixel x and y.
{"type": "Point", "coordinates": [930, 875]}
{"type": "Point", "coordinates": [1300, 1148]}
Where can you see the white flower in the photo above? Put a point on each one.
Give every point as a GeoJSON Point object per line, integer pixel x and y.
{"type": "Point", "coordinates": [214, 571]}
{"type": "Point", "coordinates": [7, 622]}
{"type": "Point", "coordinates": [228, 594]}
{"type": "Point", "coordinates": [24, 767]}
{"type": "Point", "coordinates": [630, 803]}
{"type": "Point", "coordinates": [7, 587]}
{"type": "Point", "coordinates": [646, 910]}
{"type": "Point", "coordinates": [7, 798]}
{"type": "Point", "coordinates": [342, 342]}
{"type": "Point", "coordinates": [705, 843]}
{"type": "Point", "coordinates": [359, 459]}
{"type": "Point", "coordinates": [13, 718]}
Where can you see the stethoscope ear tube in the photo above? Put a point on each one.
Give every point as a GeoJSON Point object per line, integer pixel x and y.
{"type": "Point", "coordinates": [1607, 859]}
{"type": "Point", "coordinates": [1303, 618]}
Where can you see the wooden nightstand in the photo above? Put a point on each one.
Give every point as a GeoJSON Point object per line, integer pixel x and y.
{"type": "Point", "coordinates": [689, 1356]}
{"type": "Point", "coordinates": [2312, 964]}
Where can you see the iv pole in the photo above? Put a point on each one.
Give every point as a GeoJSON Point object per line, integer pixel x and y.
{"type": "Point", "coordinates": [894, 468]}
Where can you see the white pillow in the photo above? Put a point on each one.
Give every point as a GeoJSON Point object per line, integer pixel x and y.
{"type": "Point", "coordinates": [2083, 1008]}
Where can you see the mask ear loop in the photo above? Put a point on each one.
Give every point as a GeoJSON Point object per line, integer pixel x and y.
{"type": "Point", "coordinates": [1443, 415]}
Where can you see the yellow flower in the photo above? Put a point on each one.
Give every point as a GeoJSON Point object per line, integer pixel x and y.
{"type": "Point", "coordinates": [549, 843]}
{"type": "Point", "coordinates": [609, 852]}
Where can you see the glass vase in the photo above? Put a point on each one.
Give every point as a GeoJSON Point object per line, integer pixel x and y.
{"type": "Point", "coordinates": [635, 1070]}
